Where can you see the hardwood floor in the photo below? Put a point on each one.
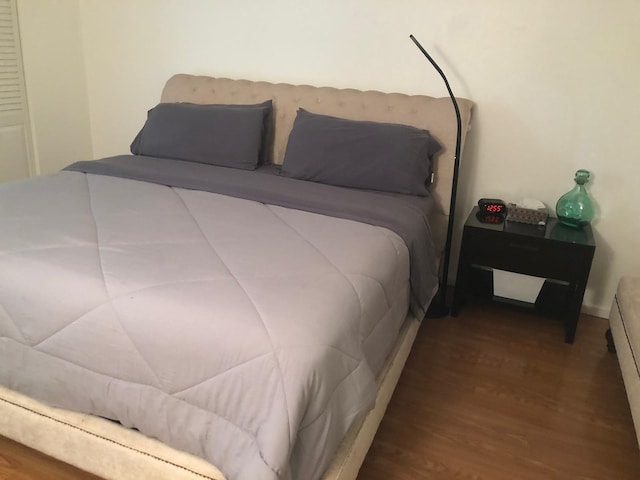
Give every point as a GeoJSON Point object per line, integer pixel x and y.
{"type": "Point", "coordinates": [18, 462]}
{"type": "Point", "coordinates": [493, 394]}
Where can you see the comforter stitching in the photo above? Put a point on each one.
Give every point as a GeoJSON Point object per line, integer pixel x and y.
{"type": "Point", "coordinates": [104, 279]}
{"type": "Point", "coordinates": [360, 361]}
{"type": "Point", "coordinates": [322, 254]}
{"type": "Point", "coordinates": [324, 409]}
{"type": "Point", "coordinates": [14, 323]}
{"type": "Point", "coordinates": [244, 431]}
{"type": "Point", "coordinates": [277, 361]}
{"type": "Point", "coordinates": [222, 372]}
{"type": "Point", "coordinates": [346, 275]}
{"type": "Point", "coordinates": [38, 249]}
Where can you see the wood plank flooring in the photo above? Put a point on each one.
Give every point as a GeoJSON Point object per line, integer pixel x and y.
{"type": "Point", "coordinates": [18, 462]}
{"type": "Point", "coordinates": [493, 394]}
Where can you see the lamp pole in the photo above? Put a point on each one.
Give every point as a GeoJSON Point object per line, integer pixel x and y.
{"type": "Point", "coordinates": [439, 308]}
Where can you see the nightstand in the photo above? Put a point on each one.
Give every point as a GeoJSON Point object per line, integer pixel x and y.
{"type": "Point", "coordinates": [562, 255]}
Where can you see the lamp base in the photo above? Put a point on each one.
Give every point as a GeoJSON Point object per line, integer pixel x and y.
{"type": "Point", "coordinates": [437, 310]}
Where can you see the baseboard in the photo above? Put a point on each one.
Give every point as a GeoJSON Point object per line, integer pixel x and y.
{"type": "Point", "coordinates": [595, 311]}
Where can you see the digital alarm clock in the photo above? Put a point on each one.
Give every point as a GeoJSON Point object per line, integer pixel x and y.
{"type": "Point", "coordinates": [492, 206]}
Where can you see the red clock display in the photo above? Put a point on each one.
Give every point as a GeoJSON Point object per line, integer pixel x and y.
{"type": "Point", "coordinates": [492, 206]}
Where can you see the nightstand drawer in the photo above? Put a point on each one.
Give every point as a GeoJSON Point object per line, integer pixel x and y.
{"type": "Point", "coordinates": [531, 256]}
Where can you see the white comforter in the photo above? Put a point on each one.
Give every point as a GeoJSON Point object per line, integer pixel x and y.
{"type": "Point", "coordinates": [244, 333]}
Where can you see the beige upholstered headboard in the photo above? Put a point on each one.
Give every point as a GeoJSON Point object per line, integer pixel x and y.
{"type": "Point", "coordinates": [433, 114]}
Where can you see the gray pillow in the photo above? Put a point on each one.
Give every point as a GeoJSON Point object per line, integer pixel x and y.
{"type": "Point", "coordinates": [387, 157]}
{"type": "Point", "coordinates": [224, 135]}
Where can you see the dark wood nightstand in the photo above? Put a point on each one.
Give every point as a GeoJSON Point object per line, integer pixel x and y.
{"type": "Point", "coordinates": [560, 254]}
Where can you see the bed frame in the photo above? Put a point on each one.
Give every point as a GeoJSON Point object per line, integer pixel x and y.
{"type": "Point", "coordinates": [111, 451]}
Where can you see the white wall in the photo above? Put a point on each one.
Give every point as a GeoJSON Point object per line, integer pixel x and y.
{"type": "Point", "coordinates": [555, 82]}
{"type": "Point", "coordinates": [55, 82]}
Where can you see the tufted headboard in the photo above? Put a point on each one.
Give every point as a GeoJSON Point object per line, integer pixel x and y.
{"type": "Point", "coordinates": [433, 114]}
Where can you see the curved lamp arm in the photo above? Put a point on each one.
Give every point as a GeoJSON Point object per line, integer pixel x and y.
{"type": "Point", "coordinates": [440, 309]}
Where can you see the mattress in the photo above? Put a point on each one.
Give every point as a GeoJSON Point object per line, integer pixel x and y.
{"type": "Point", "coordinates": [244, 332]}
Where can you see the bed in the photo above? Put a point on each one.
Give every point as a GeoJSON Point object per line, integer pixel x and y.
{"type": "Point", "coordinates": [166, 315]}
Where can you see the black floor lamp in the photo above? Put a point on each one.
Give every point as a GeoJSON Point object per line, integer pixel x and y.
{"type": "Point", "coordinates": [439, 307]}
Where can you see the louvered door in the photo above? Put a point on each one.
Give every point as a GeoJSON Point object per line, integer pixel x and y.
{"type": "Point", "coordinates": [15, 142]}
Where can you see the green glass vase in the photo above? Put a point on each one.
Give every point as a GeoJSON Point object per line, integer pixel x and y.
{"type": "Point", "coordinates": [575, 208]}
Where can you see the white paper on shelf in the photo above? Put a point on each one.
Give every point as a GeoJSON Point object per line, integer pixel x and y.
{"type": "Point", "coordinates": [516, 286]}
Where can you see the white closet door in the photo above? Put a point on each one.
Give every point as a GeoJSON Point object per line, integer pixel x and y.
{"type": "Point", "coordinates": [15, 138]}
